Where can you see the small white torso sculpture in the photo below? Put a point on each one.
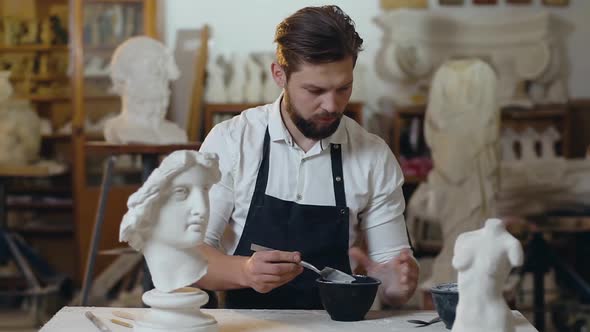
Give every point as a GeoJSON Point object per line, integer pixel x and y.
{"type": "Point", "coordinates": [508, 139]}
{"type": "Point", "coordinates": [20, 128]}
{"type": "Point", "coordinates": [528, 140]}
{"type": "Point", "coordinates": [483, 259]}
{"type": "Point", "coordinates": [141, 71]}
{"type": "Point", "coordinates": [548, 139]}
{"type": "Point", "coordinates": [215, 91]}
{"type": "Point", "coordinates": [253, 88]}
{"type": "Point", "coordinates": [237, 82]}
{"type": "Point", "coordinates": [166, 221]}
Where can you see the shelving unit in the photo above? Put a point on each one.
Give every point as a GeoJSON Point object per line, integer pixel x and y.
{"type": "Point", "coordinates": [37, 56]}
{"type": "Point", "coordinates": [91, 102]}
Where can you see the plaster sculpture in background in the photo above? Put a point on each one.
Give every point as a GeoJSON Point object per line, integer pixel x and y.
{"type": "Point", "coordinates": [166, 221]}
{"type": "Point", "coordinates": [528, 139]}
{"type": "Point", "coordinates": [20, 128]}
{"type": "Point", "coordinates": [215, 89]}
{"type": "Point", "coordinates": [520, 48]}
{"type": "Point", "coordinates": [270, 89]}
{"type": "Point", "coordinates": [460, 190]}
{"type": "Point", "coordinates": [549, 138]}
{"type": "Point", "coordinates": [484, 259]}
{"type": "Point", "coordinates": [237, 81]}
{"type": "Point", "coordinates": [141, 71]}
{"type": "Point", "coordinates": [253, 87]}
{"type": "Point", "coordinates": [359, 88]}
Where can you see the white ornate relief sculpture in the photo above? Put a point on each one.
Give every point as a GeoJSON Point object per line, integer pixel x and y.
{"type": "Point", "coordinates": [166, 221]}
{"type": "Point", "coordinates": [20, 128]}
{"type": "Point", "coordinates": [518, 47]}
{"type": "Point", "coordinates": [460, 190]}
{"type": "Point", "coordinates": [483, 259]}
{"type": "Point", "coordinates": [141, 71]}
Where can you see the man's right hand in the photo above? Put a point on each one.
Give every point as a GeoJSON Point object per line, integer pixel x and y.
{"type": "Point", "coordinates": [267, 270]}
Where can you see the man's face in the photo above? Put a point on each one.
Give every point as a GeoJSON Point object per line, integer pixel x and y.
{"type": "Point", "coordinates": [184, 209]}
{"type": "Point", "coordinates": [316, 96]}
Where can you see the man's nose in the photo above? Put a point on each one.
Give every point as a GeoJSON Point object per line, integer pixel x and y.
{"type": "Point", "coordinates": [330, 103]}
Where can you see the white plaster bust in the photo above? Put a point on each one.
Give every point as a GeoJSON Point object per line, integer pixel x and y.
{"type": "Point", "coordinates": [237, 83]}
{"type": "Point", "coordinates": [168, 216]}
{"type": "Point", "coordinates": [20, 128]}
{"type": "Point", "coordinates": [141, 71]}
{"type": "Point", "coordinates": [215, 90]}
{"type": "Point", "coordinates": [483, 260]}
{"type": "Point", "coordinates": [253, 86]}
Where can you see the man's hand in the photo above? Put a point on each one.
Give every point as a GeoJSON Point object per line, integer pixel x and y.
{"type": "Point", "coordinates": [267, 270]}
{"type": "Point", "coordinates": [399, 276]}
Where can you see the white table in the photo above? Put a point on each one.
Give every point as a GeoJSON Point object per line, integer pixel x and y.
{"type": "Point", "coordinates": [70, 319]}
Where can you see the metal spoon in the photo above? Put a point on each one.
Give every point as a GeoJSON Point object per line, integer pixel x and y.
{"type": "Point", "coordinates": [422, 323]}
{"type": "Point", "coordinates": [327, 273]}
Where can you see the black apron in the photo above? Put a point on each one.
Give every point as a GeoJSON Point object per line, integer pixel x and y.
{"type": "Point", "coordinates": [319, 233]}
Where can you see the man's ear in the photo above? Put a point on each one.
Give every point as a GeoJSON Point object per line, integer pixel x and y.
{"type": "Point", "coordinates": [278, 74]}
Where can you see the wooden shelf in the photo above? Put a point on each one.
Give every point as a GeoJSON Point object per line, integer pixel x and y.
{"type": "Point", "coordinates": [34, 48]}
{"type": "Point", "coordinates": [34, 98]}
{"type": "Point", "coordinates": [113, 1]}
{"type": "Point", "coordinates": [57, 137]}
{"type": "Point", "coordinates": [413, 179]}
{"type": "Point", "coordinates": [41, 78]}
{"type": "Point", "coordinates": [43, 229]}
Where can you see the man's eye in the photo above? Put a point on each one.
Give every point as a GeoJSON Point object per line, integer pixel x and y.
{"type": "Point", "coordinates": [315, 91]}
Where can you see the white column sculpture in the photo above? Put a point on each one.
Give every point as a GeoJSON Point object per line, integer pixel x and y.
{"type": "Point", "coordinates": [141, 71]}
{"type": "Point", "coordinates": [520, 48]}
{"type": "Point", "coordinates": [461, 129]}
{"type": "Point", "coordinates": [483, 259]}
{"type": "Point", "coordinates": [215, 90]}
{"type": "Point", "coordinates": [166, 221]}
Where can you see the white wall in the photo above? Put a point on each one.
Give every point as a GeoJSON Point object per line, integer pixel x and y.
{"type": "Point", "coordinates": [248, 26]}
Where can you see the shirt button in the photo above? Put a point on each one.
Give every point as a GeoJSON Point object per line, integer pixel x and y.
{"type": "Point", "coordinates": [338, 179]}
{"type": "Point", "coordinates": [299, 197]}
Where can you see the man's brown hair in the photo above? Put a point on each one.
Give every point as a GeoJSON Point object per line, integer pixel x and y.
{"type": "Point", "coordinates": [316, 35]}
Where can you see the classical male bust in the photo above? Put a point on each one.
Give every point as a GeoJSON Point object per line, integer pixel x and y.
{"type": "Point", "coordinates": [141, 71]}
{"type": "Point", "coordinates": [167, 218]}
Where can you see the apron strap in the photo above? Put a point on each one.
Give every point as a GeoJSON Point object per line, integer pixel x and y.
{"type": "Point", "coordinates": [262, 179]}
{"type": "Point", "coordinates": [337, 174]}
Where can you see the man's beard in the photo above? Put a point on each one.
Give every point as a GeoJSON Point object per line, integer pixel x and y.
{"type": "Point", "coordinates": [309, 128]}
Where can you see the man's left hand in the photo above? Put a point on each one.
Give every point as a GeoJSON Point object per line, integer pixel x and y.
{"type": "Point", "coordinates": [399, 276]}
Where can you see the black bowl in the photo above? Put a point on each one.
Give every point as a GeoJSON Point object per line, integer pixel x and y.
{"type": "Point", "coordinates": [445, 297]}
{"type": "Point", "coordinates": [348, 302]}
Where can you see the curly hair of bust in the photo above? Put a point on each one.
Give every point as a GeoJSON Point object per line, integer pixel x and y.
{"type": "Point", "coordinates": [139, 217]}
{"type": "Point", "coordinates": [316, 35]}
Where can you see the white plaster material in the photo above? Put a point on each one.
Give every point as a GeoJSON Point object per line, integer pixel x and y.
{"type": "Point", "coordinates": [141, 71]}
{"type": "Point", "coordinates": [167, 220]}
{"type": "Point", "coordinates": [483, 259]}
{"type": "Point", "coordinates": [416, 43]}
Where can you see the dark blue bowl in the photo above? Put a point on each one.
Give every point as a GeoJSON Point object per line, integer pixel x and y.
{"type": "Point", "coordinates": [348, 302]}
{"type": "Point", "coordinates": [445, 298]}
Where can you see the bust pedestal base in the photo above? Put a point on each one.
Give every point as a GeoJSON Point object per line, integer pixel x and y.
{"type": "Point", "coordinates": [177, 311]}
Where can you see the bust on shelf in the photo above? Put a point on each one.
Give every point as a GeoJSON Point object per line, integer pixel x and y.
{"type": "Point", "coordinates": [141, 71]}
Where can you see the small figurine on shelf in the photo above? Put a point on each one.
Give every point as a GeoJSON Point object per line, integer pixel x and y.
{"type": "Point", "coordinates": [20, 133]}
{"type": "Point", "coordinates": [31, 33]}
{"type": "Point", "coordinates": [46, 33]}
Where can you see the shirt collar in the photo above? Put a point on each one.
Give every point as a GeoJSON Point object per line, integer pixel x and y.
{"type": "Point", "coordinates": [279, 132]}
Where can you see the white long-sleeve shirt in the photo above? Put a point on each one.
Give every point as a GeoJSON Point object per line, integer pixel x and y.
{"type": "Point", "coordinates": [372, 179]}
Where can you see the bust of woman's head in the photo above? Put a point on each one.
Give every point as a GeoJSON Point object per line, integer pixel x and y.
{"type": "Point", "coordinates": [167, 217]}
